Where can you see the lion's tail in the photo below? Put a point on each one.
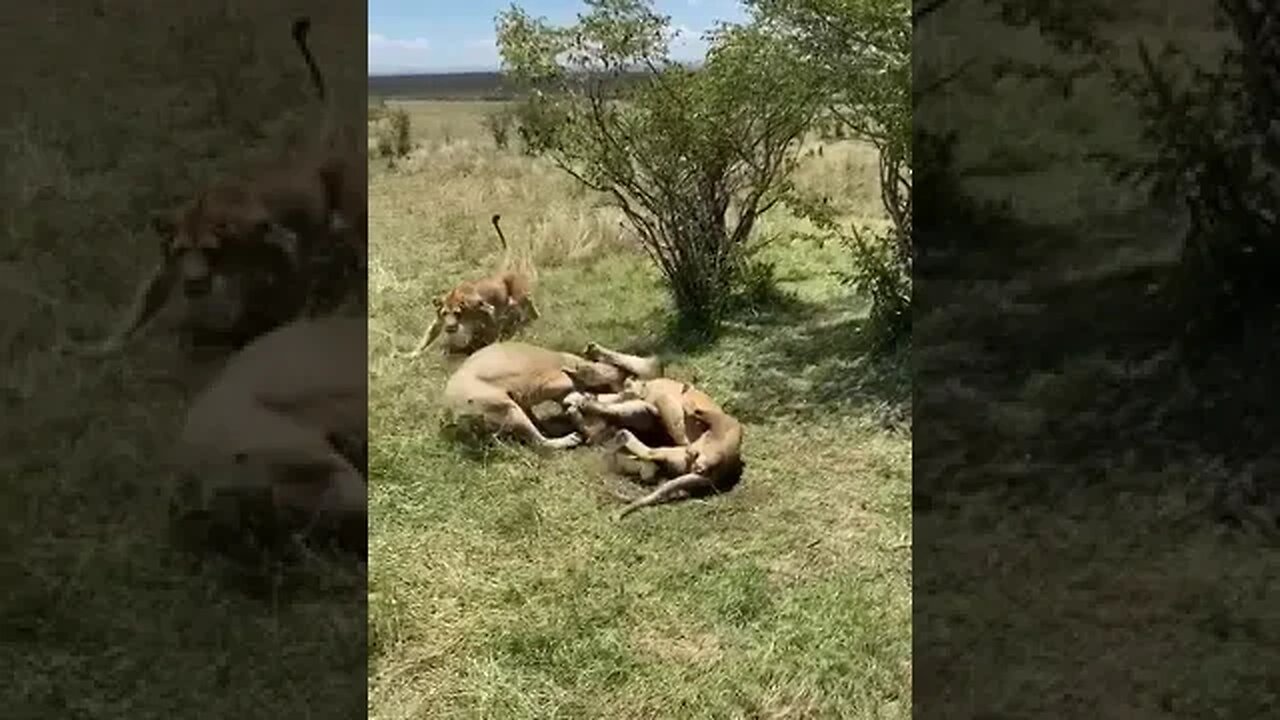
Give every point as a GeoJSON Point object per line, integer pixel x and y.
{"type": "Point", "coordinates": [301, 29]}
{"type": "Point", "coordinates": [330, 125]}
{"type": "Point", "coordinates": [524, 261]}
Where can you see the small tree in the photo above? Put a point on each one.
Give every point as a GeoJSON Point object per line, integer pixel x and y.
{"type": "Point", "coordinates": [401, 136]}
{"type": "Point", "coordinates": [691, 157]}
{"type": "Point", "coordinates": [498, 123]}
{"type": "Point", "coordinates": [1212, 139]}
{"type": "Point", "coordinates": [1216, 150]}
{"type": "Point", "coordinates": [860, 53]}
{"type": "Point", "coordinates": [393, 134]}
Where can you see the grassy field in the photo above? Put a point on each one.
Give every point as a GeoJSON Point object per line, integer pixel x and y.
{"type": "Point", "coordinates": [115, 114]}
{"type": "Point", "coordinates": [1068, 562]}
{"type": "Point", "coordinates": [499, 584]}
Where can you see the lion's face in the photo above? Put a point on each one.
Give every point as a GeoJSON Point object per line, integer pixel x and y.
{"type": "Point", "coordinates": [222, 261]}
{"type": "Point", "coordinates": [465, 320]}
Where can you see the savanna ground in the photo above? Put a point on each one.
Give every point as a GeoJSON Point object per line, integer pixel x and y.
{"type": "Point", "coordinates": [1067, 564]}
{"type": "Point", "coordinates": [112, 113]}
{"type": "Point", "coordinates": [500, 585]}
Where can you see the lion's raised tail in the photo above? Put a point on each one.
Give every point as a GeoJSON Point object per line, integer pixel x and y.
{"type": "Point", "coordinates": [302, 28]}
{"type": "Point", "coordinates": [526, 265]}
{"type": "Point", "coordinates": [330, 125]}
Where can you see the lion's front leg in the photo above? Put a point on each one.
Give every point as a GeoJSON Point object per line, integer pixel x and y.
{"type": "Point", "coordinates": [148, 298]}
{"type": "Point", "coordinates": [430, 334]}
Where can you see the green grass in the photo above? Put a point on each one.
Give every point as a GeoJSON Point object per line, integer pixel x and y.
{"type": "Point", "coordinates": [101, 616]}
{"type": "Point", "coordinates": [1068, 561]}
{"type": "Point", "coordinates": [499, 584]}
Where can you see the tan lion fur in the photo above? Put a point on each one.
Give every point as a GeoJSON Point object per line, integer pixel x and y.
{"type": "Point", "coordinates": [248, 253]}
{"type": "Point", "coordinates": [268, 419]}
{"type": "Point", "coordinates": [501, 383]}
{"type": "Point", "coordinates": [475, 313]}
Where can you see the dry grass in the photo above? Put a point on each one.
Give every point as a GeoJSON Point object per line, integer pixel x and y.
{"type": "Point", "coordinates": [112, 116]}
{"type": "Point", "coordinates": [1065, 565]}
{"type": "Point", "coordinates": [499, 585]}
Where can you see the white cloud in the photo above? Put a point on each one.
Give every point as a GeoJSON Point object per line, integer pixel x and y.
{"type": "Point", "coordinates": [394, 54]}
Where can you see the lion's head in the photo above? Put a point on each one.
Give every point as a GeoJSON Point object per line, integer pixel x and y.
{"type": "Point", "coordinates": [228, 258]}
{"type": "Point", "coordinates": [467, 319]}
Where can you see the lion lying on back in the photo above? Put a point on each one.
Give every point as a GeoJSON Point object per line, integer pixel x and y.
{"type": "Point", "coordinates": [705, 450]}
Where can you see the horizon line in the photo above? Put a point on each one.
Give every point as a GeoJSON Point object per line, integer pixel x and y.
{"type": "Point", "coordinates": [464, 70]}
{"type": "Point", "coordinates": [432, 71]}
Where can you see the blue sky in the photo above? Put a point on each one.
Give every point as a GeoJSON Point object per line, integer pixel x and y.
{"type": "Point", "coordinates": [448, 35]}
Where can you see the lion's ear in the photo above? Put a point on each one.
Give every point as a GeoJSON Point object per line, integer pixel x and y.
{"type": "Point", "coordinates": [438, 301]}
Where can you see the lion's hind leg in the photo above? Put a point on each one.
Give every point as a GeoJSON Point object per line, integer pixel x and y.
{"type": "Point", "coordinates": [645, 368]}
{"type": "Point", "coordinates": [501, 414]}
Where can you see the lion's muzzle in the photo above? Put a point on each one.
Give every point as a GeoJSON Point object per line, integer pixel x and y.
{"type": "Point", "coordinates": [197, 276]}
{"type": "Point", "coordinates": [197, 287]}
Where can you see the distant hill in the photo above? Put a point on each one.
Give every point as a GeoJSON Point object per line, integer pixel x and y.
{"type": "Point", "coordinates": [440, 86]}
{"type": "Point", "coordinates": [451, 86]}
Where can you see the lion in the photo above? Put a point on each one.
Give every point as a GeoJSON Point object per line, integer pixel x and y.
{"type": "Point", "coordinates": [702, 448]}
{"type": "Point", "coordinates": [476, 313]}
{"type": "Point", "coordinates": [500, 384]}
{"type": "Point", "coordinates": [248, 254]}
{"type": "Point", "coordinates": [282, 422]}
{"type": "Point", "coordinates": [711, 463]}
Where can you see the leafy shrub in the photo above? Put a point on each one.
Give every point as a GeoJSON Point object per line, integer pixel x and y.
{"type": "Point", "coordinates": [692, 158]}
{"type": "Point", "coordinates": [499, 124]}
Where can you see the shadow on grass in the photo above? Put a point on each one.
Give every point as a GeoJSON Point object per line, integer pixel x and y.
{"type": "Point", "coordinates": [1057, 379]}
{"type": "Point", "coordinates": [806, 360]}
{"type": "Point", "coordinates": [469, 439]}
{"type": "Point", "coordinates": [818, 369]}
{"type": "Point", "coordinates": [768, 308]}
